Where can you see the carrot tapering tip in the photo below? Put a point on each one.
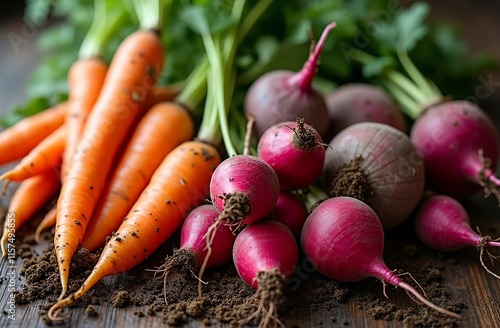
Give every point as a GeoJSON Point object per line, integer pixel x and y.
{"type": "Point", "coordinates": [56, 309]}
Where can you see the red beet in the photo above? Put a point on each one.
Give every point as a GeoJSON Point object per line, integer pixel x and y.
{"type": "Point", "coordinates": [282, 95]}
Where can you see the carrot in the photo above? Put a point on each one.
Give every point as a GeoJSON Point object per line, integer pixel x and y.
{"type": "Point", "coordinates": [163, 127]}
{"type": "Point", "coordinates": [49, 220]}
{"type": "Point", "coordinates": [42, 158]}
{"type": "Point", "coordinates": [18, 140]}
{"type": "Point", "coordinates": [179, 184]}
{"type": "Point", "coordinates": [158, 94]}
{"type": "Point", "coordinates": [85, 80]}
{"type": "Point", "coordinates": [86, 75]}
{"type": "Point", "coordinates": [29, 198]}
{"type": "Point", "coordinates": [131, 75]}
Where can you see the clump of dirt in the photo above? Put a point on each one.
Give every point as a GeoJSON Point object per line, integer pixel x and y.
{"type": "Point", "coordinates": [237, 207]}
{"type": "Point", "coordinates": [179, 312]}
{"type": "Point", "coordinates": [120, 298]}
{"type": "Point", "coordinates": [313, 293]}
{"type": "Point", "coordinates": [182, 261]}
{"type": "Point", "coordinates": [42, 276]}
{"type": "Point", "coordinates": [350, 181]}
{"type": "Point", "coordinates": [304, 138]}
{"type": "Point", "coordinates": [90, 311]}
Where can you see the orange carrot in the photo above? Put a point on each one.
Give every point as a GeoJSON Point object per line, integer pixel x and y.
{"type": "Point", "coordinates": [29, 198]}
{"type": "Point", "coordinates": [179, 184]}
{"type": "Point", "coordinates": [165, 126]}
{"type": "Point", "coordinates": [42, 158]}
{"type": "Point", "coordinates": [86, 75]}
{"type": "Point", "coordinates": [158, 94]}
{"type": "Point", "coordinates": [49, 220]}
{"type": "Point", "coordinates": [85, 79]}
{"type": "Point", "coordinates": [130, 77]}
{"type": "Point", "coordinates": [18, 140]}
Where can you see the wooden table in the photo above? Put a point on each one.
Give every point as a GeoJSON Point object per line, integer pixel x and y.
{"type": "Point", "coordinates": [465, 280]}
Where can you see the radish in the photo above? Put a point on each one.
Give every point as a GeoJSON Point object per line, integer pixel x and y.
{"type": "Point", "coordinates": [359, 102]}
{"type": "Point", "coordinates": [457, 139]}
{"type": "Point", "coordinates": [290, 211]}
{"type": "Point", "coordinates": [344, 240]}
{"type": "Point", "coordinates": [265, 255]}
{"type": "Point", "coordinates": [377, 164]}
{"type": "Point", "coordinates": [460, 145]}
{"type": "Point", "coordinates": [244, 189]}
{"type": "Point", "coordinates": [282, 95]}
{"type": "Point", "coordinates": [295, 151]}
{"type": "Point", "coordinates": [193, 248]}
{"type": "Point", "coordinates": [443, 224]}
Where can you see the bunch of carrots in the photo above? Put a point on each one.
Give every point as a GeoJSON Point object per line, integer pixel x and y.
{"type": "Point", "coordinates": [120, 151]}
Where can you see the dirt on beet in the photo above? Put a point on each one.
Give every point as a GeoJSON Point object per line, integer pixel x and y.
{"type": "Point", "coordinates": [304, 138]}
{"type": "Point", "coordinates": [227, 299]}
{"type": "Point", "coordinates": [350, 181]}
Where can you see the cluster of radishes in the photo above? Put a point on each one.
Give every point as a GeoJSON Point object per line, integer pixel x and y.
{"type": "Point", "coordinates": [372, 170]}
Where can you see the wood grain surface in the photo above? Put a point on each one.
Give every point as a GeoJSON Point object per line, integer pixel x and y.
{"type": "Point", "coordinates": [465, 280]}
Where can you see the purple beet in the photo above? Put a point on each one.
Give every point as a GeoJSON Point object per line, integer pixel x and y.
{"type": "Point", "coordinates": [280, 96]}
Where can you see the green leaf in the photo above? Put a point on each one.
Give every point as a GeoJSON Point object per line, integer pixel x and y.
{"type": "Point", "coordinates": [195, 18]}
{"type": "Point", "coordinates": [37, 11]}
{"type": "Point", "coordinates": [410, 24]}
{"type": "Point", "coordinates": [57, 37]}
{"type": "Point", "coordinates": [207, 18]}
{"type": "Point", "coordinates": [408, 27]}
{"type": "Point", "coordinates": [375, 67]}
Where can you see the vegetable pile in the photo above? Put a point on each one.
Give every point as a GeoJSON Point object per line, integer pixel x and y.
{"type": "Point", "coordinates": [204, 123]}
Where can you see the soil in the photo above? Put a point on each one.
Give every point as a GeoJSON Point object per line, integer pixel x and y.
{"type": "Point", "coordinates": [227, 299]}
{"type": "Point", "coordinates": [91, 311]}
{"type": "Point", "coordinates": [350, 181]}
{"type": "Point", "coordinates": [304, 138]}
{"type": "Point", "coordinates": [237, 207]}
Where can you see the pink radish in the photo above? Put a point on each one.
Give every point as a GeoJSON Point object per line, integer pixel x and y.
{"type": "Point", "coordinates": [457, 139]}
{"type": "Point", "coordinates": [290, 211]}
{"type": "Point", "coordinates": [443, 224]}
{"type": "Point", "coordinates": [344, 240]}
{"type": "Point", "coordinates": [265, 255]}
{"type": "Point", "coordinates": [193, 248]}
{"type": "Point", "coordinates": [281, 96]}
{"type": "Point", "coordinates": [377, 164]}
{"type": "Point", "coordinates": [193, 230]}
{"type": "Point", "coordinates": [359, 102]}
{"type": "Point", "coordinates": [244, 189]}
{"type": "Point", "coordinates": [295, 151]}
{"type": "Point", "coordinates": [460, 145]}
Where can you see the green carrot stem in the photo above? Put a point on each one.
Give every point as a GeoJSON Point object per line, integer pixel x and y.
{"type": "Point", "coordinates": [104, 25]}
{"type": "Point", "coordinates": [150, 13]}
{"type": "Point", "coordinates": [195, 88]}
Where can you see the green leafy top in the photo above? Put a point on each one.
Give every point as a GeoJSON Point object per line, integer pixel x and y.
{"type": "Point", "coordinates": [280, 39]}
